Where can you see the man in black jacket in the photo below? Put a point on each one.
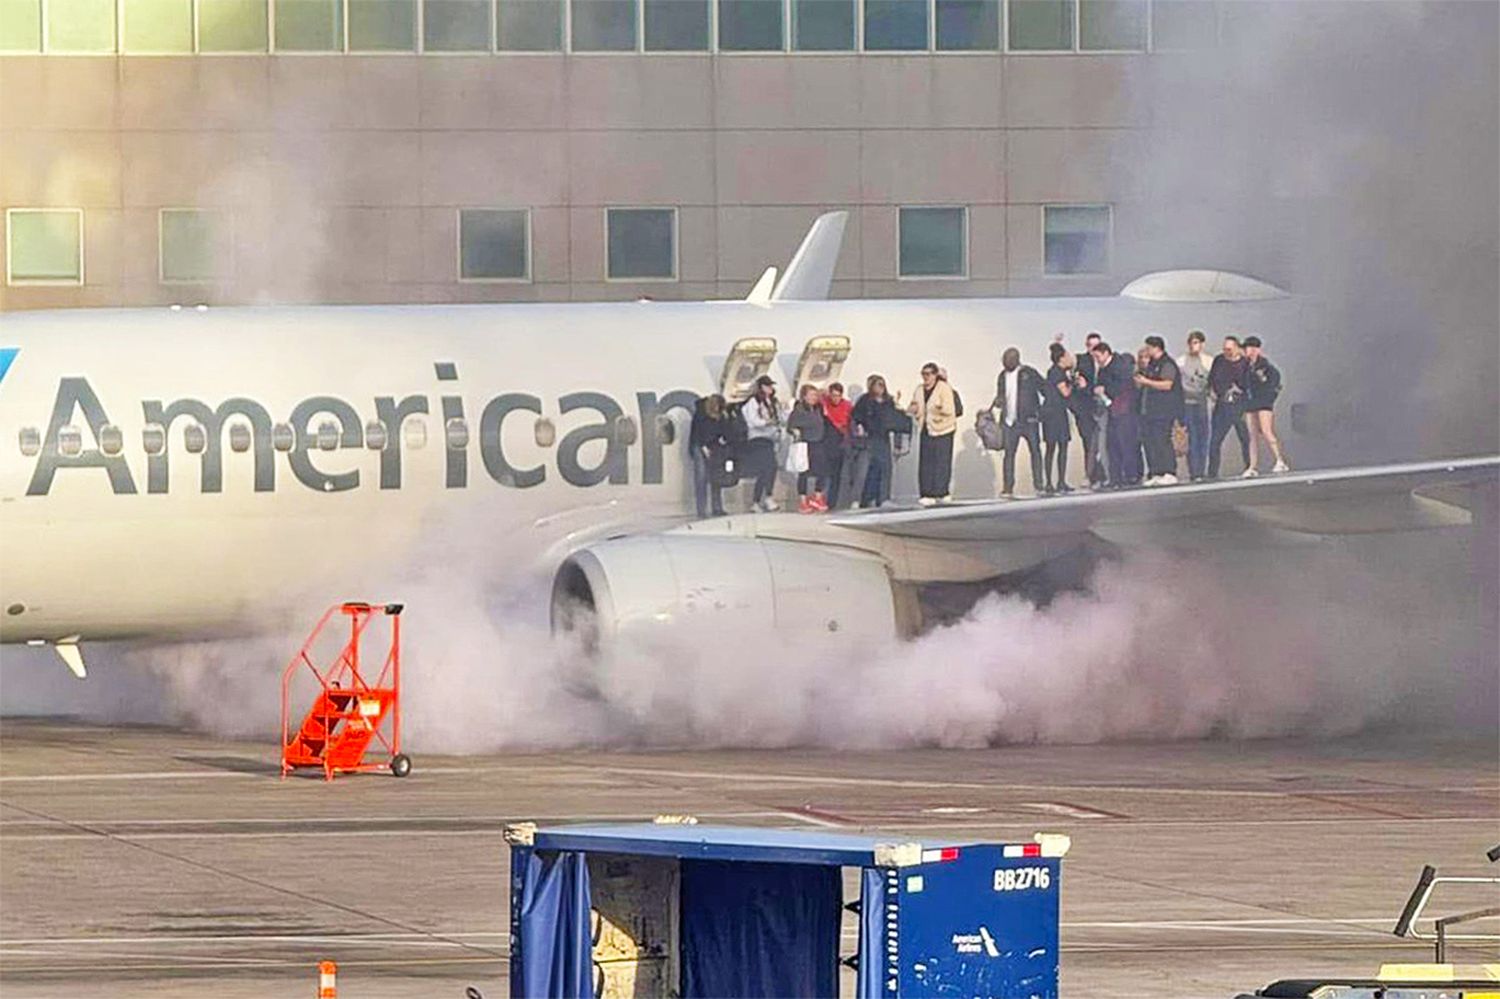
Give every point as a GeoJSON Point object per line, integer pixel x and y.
{"type": "Point", "coordinates": [1161, 408]}
{"type": "Point", "coordinates": [1227, 380]}
{"type": "Point", "coordinates": [1092, 419]}
{"type": "Point", "coordinates": [1018, 403]}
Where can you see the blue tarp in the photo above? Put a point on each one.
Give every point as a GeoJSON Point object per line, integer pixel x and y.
{"type": "Point", "coordinates": [875, 884]}
{"type": "Point", "coordinates": [553, 954]}
{"type": "Point", "coordinates": [755, 929]}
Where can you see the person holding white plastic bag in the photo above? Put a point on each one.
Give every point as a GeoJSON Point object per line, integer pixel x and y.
{"type": "Point", "coordinates": [805, 457]}
{"type": "Point", "coordinates": [764, 425]}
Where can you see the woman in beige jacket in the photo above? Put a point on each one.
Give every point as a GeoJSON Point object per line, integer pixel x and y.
{"type": "Point", "coordinates": [935, 412]}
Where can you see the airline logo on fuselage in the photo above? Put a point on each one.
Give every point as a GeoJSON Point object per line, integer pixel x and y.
{"type": "Point", "coordinates": [322, 425]}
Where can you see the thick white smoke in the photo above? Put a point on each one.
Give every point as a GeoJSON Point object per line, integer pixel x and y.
{"type": "Point", "coordinates": [1156, 647]}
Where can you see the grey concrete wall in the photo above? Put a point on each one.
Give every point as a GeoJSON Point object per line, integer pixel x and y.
{"type": "Point", "coordinates": [343, 174]}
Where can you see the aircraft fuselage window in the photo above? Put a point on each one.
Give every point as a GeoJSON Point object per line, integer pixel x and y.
{"type": "Point", "coordinates": [111, 439]}
{"type": "Point", "coordinates": [625, 430]}
{"type": "Point", "coordinates": [328, 436]}
{"type": "Point", "coordinates": [70, 440]}
{"type": "Point", "coordinates": [456, 431]}
{"type": "Point", "coordinates": [154, 438]}
{"type": "Point", "coordinates": [283, 437]}
{"type": "Point", "coordinates": [195, 438]}
{"type": "Point", "coordinates": [240, 438]}
{"type": "Point", "coordinates": [375, 438]}
{"type": "Point", "coordinates": [31, 441]}
{"type": "Point", "coordinates": [546, 433]}
{"type": "Point", "coordinates": [414, 433]}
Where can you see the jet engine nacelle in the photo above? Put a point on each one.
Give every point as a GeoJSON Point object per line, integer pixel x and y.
{"type": "Point", "coordinates": [638, 586]}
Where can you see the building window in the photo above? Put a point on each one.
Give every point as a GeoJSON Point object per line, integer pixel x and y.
{"type": "Point", "coordinates": [1076, 238]}
{"type": "Point", "coordinates": [382, 25]}
{"type": "Point", "coordinates": [309, 25]}
{"type": "Point", "coordinates": [642, 244]}
{"type": "Point", "coordinates": [676, 25]}
{"type": "Point", "coordinates": [895, 25]}
{"type": "Point", "coordinates": [494, 244]}
{"type": "Point", "coordinates": [1041, 25]}
{"type": "Point", "coordinates": [232, 25]}
{"type": "Point", "coordinates": [1112, 25]}
{"type": "Point", "coordinates": [44, 246]}
{"type": "Point", "coordinates": [823, 25]}
{"type": "Point", "coordinates": [456, 25]}
{"type": "Point", "coordinates": [968, 25]}
{"type": "Point", "coordinates": [160, 27]}
{"type": "Point", "coordinates": [933, 242]}
{"type": "Point", "coordinates": [1181, 25]}
{"type": "Point", "coordinates": [604, 25]}
{"type": "Point", "coordinates": [751, 26]}
{"type": "Point", "coordinates": [195, 246]}
{"type": "Point", "coordinates": [529, 25]}
{"type": "Point", "coordinates": [20, 25]}
{"type": "Point", "coordinates": [80, 25]}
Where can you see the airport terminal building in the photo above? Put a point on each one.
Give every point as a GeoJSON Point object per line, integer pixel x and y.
{"type": "Point", "coordinates": [230, 151]}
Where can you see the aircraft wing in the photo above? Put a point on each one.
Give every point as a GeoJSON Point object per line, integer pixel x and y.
{"type": "Point", "coordinates": [1329, 502]}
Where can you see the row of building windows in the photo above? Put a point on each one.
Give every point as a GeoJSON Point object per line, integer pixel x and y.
{"type": "Point", "coordinates": [172, 27]}
{"type": "Point", "coordinates": [196, 246]}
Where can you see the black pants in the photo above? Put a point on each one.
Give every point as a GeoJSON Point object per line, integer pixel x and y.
{"type": "Point", "coordinates": [759, 460]}
{"type": "Point", "coordinates": [1161, 457]}
{"type": "Point", "coordinates": [1011, 438]}
{"type": "Point", "coordinates": [833, 471]}
{"type": "Point", "coordinates": [935, 465]}
{"type": "Point", "coordinates": [1227, 415]}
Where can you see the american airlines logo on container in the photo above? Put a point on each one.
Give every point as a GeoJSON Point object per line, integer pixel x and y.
{"type": "Point", "coordinates": [974, 943]}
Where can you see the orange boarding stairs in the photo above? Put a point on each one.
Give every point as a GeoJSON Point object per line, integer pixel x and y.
{"type": "Point", "coordinates": [350, 715]}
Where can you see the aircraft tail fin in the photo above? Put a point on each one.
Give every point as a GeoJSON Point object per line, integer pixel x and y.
{"type": "Point", "coordinates": [761, 293]}
{"type": "Point", "coordinates": [810, 274]}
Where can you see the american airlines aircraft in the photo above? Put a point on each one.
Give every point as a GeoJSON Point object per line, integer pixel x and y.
{"type": "Point", "coordinates": [164, 470]}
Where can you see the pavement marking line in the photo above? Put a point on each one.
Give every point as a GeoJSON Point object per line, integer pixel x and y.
{"type": "Point", "coordinates": [1071, 811]}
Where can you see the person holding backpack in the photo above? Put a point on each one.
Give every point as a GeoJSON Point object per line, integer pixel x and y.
{"type": "Point", "coordinates": [1018, 400]}
{"type": "Point", "coordinates": [934, 410]}
{"type": "Point", "coordinates": [709, 438]}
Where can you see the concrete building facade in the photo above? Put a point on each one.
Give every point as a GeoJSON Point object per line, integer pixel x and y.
{"type": "Point", "coordinates": [425, 176]}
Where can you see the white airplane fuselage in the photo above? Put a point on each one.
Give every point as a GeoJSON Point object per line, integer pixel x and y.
{"type": "Point", "coordinates": [184, 542]}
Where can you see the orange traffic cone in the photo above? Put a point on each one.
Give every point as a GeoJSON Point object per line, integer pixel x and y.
{"type": "Point", "coordinates": [328, 980]}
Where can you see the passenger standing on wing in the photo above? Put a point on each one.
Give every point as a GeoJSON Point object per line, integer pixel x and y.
{"type": "Point", "coordinates": [764, 425]}
{"type": "Point", "coordinates": [806, 424]}
{"type": "Point", "coordinates": [1057, 395]}
{"type": "Point", "coordinates": [1116, 388]}
{"type": "Point", "coordinates": [708, 442]}
{"type": "Point", "coordinates": [1226, 386]}
{"type": "Point", "coordinates": [935, 413]}
{"type": "Point", "coordinates": [1091, 414]}
{"type": "Point", "coordinates": [1194, 368]}
{"type": "Point", "coordinates": [874, 419]}
{"type": "Point", "coordinates": [837, 410]}
{"type": "Point", "coordinates": [1160, 383]}
{"type": "Point", "coordinates": [1263, 385]}
{"type": "Point", "coordinates": [1018, 401]}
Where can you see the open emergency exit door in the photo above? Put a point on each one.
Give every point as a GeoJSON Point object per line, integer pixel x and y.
{"type": "Point", "coordinates": [748, 359]}
{"type": "Point", "coordinates": [821, 362]}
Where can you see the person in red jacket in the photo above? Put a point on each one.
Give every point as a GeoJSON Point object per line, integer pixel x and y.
{"type": "Point", "coordinates": [837, 410]}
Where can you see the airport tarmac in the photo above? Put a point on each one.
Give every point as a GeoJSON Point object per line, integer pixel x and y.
{"type": "Point", "coordinates": [138, 862]}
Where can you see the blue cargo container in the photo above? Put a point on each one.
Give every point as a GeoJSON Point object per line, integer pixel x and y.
{"type": "Point", "coordinates": [712, 911]}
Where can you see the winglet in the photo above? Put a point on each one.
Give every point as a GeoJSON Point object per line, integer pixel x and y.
{"type": "Point", "coordinates": [810, 274]}
{"type": "Point", "coordinates": [761, 293]}
{"type": "Point", "coordinates": [72, 656]}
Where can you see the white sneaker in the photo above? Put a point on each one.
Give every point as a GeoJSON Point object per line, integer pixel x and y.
{"type": "Point", "coordinates": [1281, 466]}
{"type": "Point", "coordinates": [927, 501]}
{"type": "Point", "coordinates": [947, 498]}
{"type": "Point", "coordinates": [769, 505]}
{"type": "Point", "coordinates": [1249, 473]}
{"type": "Point", "coordinates": [1152, 480]}
{"type": "Point", "coordinates": [1166, 479]}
